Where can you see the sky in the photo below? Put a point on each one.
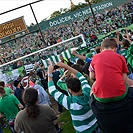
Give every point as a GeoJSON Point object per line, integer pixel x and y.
{"type": "Point", "coordinates": [41, 9]}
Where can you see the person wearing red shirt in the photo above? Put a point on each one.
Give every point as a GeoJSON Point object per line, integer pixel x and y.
{"type": "Point", "coordinates": [111, 66]}
{"type": "Point", "coordinates": [111, 100]}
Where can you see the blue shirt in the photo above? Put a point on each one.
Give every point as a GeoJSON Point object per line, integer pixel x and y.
{"type": "Point", "coordinates": [88, 60]}
{"type": "Point", "coordinates": [43, 97]}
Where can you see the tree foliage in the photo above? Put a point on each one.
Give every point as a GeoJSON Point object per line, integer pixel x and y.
{"type": "Point", "coordinates": [55, 14]}
{"type": "Point", "coordinates": [96, 1]}
{"type": "Point", "coordinates": [66, 10]}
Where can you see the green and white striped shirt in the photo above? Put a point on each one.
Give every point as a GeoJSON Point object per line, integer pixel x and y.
{"type": "Point", "coordinates": [82, 116]}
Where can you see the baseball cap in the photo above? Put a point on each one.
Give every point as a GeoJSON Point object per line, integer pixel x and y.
{"type": "Point", "coordinates": [16, 82]}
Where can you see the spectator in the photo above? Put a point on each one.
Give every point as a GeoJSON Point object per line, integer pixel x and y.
{"type": "Point", "coordinates": [88, 60]}
{"type": "Point", "coordinates": [35, 118]}
{"type": "Point", "coordinates": [130, 59]}
{"type": "Point", "coordinates": [56, 76]}
{"type": "Point", "coordinates": [111, 100]}
{"type": "Point", "coordinates": [43, 97]}
{"type": "Point", "coordinates": [93, 37]}
{"type": "Point", "coordinates": [80, 62]}
{"type": "Point", "coordinates": [97, 49]}
{"type": "Point", "coordinates": [18, 91]}
{"type": "Point", "coordinates": [8, 90]}
{"type": "Point", "coordinates": [108, 21]}
{"type": "Point", "coordinates": [9, 107]}
{"type": "Point", "coordinates": [89, 54]}
{"type": "Point", "coordinates": [61, 82]}
{"type": "Point", "coordinates": [81, 56]}
{"type": "Point", "coordinates": [42, 75]}
{"type": "Point", "coordinates": [77, 102]}
{"type": "Point", "coordinates": [80, 69]}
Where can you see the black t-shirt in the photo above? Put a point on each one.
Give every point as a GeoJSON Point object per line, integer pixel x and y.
{"type": "Point", "coordinates": [40, 73]}
{"type": "Point", "coordinates": [86, 67]}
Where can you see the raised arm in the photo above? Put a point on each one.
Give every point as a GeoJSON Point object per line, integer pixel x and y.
{"type": "Point", "coordinates": [78, 55]}
{"type": "Point", "coordinates": [126, 37]}
{"type": "Point", "coordinates": [81, 56]}
{"type": "Point", "coordinates": [57, 95]}
{"type": "Point", "coordinates": [118, 38]}
{"type": "Point", "coordinates": [72, 70]}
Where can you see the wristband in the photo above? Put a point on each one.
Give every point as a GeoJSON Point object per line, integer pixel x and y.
{"type": "Point", "coordinates": [50, 75]}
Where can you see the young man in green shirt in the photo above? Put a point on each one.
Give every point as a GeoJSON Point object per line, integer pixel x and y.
{"type": "Point", "coordinates": [9, 107]}
{"type": "Point", "coordinates": [8, 90]}
{"type": "Point", "coordinates": [77, 102]}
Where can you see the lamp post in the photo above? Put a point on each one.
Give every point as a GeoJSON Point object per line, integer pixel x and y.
{"type": "Point", "coordinates": [38, 24]}
{"type": "Point", "coordinates": [93, 14]}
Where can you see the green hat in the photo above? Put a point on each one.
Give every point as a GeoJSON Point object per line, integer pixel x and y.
{"type": "Point", "coordinates": [89, 55]}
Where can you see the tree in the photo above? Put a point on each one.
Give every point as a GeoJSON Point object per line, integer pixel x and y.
{"type": "Point", "coordinates": [94, 1]}
{"type": "Point", "coordinates": [55, 14]}
{"type": "Point", "coordinates": [66, 10]}
{"type": "Point", "coordinates": [32, 24]}
{"type": "Point", "coordinates": [80, 5]}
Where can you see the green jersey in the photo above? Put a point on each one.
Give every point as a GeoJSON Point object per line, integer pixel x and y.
{"type": "Point", "coordinates": [8, 90]}
{"type": "Point", "coordinates": [82, 116]}
{"type": "Point", "coordinates": [9, 106]}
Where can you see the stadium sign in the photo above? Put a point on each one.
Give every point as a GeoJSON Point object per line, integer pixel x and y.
{"type": "Point", "coordinates": [80, 13]}
{"type": "Point", "coordinates": [12, 27]}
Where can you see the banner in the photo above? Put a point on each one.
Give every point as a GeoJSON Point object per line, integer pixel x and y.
{"type": "Point", "coordinates": [28, 68]}
{"type": "Point", "coordinates": [80, 13]}
{"type": "Point", "coordinates": [66, 54]}
{"type": "Point", "coordinates": [10, 75]}
{"type": "Point", "coordinates": [15, 73]}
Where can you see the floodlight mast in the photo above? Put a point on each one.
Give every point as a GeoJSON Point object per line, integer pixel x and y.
{"type": "Point", "coordinates": [89, 3]}
{"type": "Point", "coordinates": [20, 7]}
{"type": "Point", "coordinates": [30, 4]}
{"type": "Point", "coordinates": [37, 24]}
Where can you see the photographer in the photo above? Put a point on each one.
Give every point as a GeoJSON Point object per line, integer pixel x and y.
{"type": "Point", "coordinates": [42, 75]}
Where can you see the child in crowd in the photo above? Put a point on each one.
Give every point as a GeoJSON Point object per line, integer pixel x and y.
{"type": "Point", "coordinates": [111, 100]}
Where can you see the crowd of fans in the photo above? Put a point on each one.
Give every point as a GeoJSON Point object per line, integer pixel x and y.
{"type": "Point", "coordinates": [66, 90]}
{"type": "Point", "coordinates": [97, 88]}
{"type": "Point", "coordinates": [107, 21]}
